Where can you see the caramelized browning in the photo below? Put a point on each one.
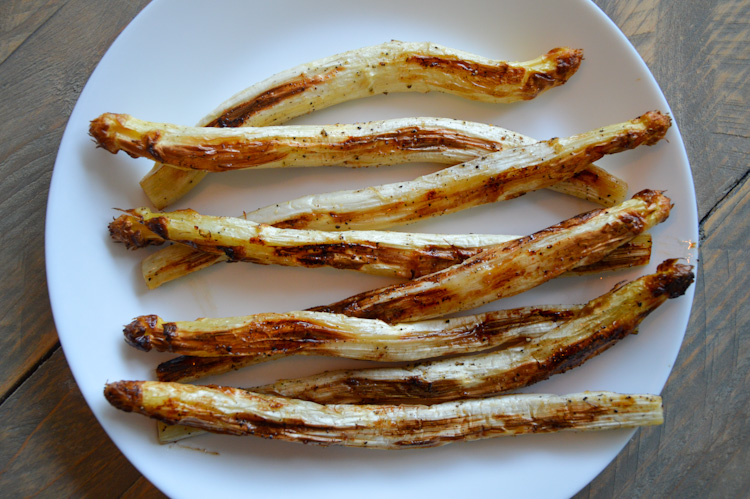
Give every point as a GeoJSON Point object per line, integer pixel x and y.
{"type": "Point", "coordinates": [499, 176]}
{"type": "Point", "coordinates": [600, 324]}
{"type": "Point", "coordinates": [239, 114]}
{"type": "Point", "coordinates": [313, 333]}
{"type": "Point", "coordinates": [189, 368]}
{"type": "Point", "coordinates": [240, 412]}
{"type": "Point", "coordinates": [388, 253]}
{"type": "Point", "coordinates": [377, 143]}
{"type": "Point", "coordinates": [385, 68]}
{"type": "Point", "coordinates": [512, 268]}
{"type": "Point", "coordinates": [531, 82]}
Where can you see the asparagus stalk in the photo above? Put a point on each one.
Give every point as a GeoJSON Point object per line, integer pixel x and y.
{"type": "Point", "coordinates": [390, 67]}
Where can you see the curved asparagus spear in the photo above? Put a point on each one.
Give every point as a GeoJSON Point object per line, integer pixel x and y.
{"type": "Point", "coordinates": [390, 67]}
{"type": "Point", "coordinates": [501, 175]}
{"type": "Point", "coordinates": [504, 271]}
{"type": "Point", "coordinates": [406, 140]}
{"type": "Point", "coordinates": [397, 254]}
{"type": "Point", "coordinates": [494, 177]}
{"type": "Point", "coordinates": [320, 333]}
{"type": "Point", "coordinates": [240, 412]}
{"type": "Point", "coordinates": [599, 325]}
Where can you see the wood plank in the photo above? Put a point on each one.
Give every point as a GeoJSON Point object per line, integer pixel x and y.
{"type": "Point", "coordinates": [52, 445]}
{"type": "Point", "coordinates": [142, 489]}
{"type": "Point", "coordinates": [705, 441]}
{"type": "Point", "coordinates": [19, 19]}
{"type": "Point", "coordinates": [40, 84]}
{"type": "Point", "coordinates": [695, 49]}
{"type": "Point", "coordinates": [703, 444]}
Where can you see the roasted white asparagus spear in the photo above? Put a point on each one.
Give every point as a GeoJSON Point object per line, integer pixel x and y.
{"type": "Point", "coordinates": [631, 303]}
{"type": "Point", "coordinates": [405, 140]}
{"type": "Point", "coordinates": [598, 325]}
{"type": "Point", "coordinates": [501, 175]}
{"type": "Point", "coordinates": [241, 412]}
{"type": "Point", "coordinates": [595, 327]}
{"type": "Point", "coordinates": [503, 271]}
{"type": "Point", "coordinates": [494, 177]}
{"type": "Point", "coordinates": [375, 143]}
{"type": "Point", "coordinates": [397, 254]}
{"type": "Point", "coordinates": [390, 67]}
{"type": "Point", "coordinates": [320, 333]}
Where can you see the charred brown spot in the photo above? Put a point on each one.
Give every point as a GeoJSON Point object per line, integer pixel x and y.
{"type": "Point", "coordinates": [673, 279]}
{"type": "Point", "coordinates": [260, 337]}
{"type": "Point", "coordinates": [128, 230]}
{"type": "Point", "coordinates": [657, 125]}
{"type": "Point", "coordinates": [151, 145]}
{"type": "Point", "coordinates": [186, 368]}
{"type": "Point", "coordinates": [237, 115]}
{"type": "Point", "coordinates": [415, 139]}
{"type": "Point", "coordinates": [124, 395]}
{"type": "Point", "coordinates": [481, 74]}
{"type": "Point", "coordinates": [159, 226]}
{"type": "Point", "coordinates": [193, 260]}
{"type": "Point", "coordinates": [223, 155]}
{"type": "Point", "coordinates": [414, 262]}
{"type": "Point", "coordinates": [368, 305]}
{"type": "Point", "coordinates": [362, 390]}
{"type": "Point", "coordinates": [99, 129]}
{"type": "Point", "coordinates": [567, 62]}
{"type": "Point", "coordinates": [169, 330]}
{"type": "Point", "coordinates": [138, 333]}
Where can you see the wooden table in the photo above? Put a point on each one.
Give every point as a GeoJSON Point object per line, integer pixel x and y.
{"type": "Point", "coordinates": [50, 443]}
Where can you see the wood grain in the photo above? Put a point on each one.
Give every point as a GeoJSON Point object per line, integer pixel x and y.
{"type": "Point", "coordinates": [40, 81]}
{"type": "Point", "coordinates": [57, 438]}
{"type": "Point", "coordinates": [50, 444]}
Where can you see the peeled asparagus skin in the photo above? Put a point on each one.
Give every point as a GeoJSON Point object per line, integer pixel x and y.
{"type": "Point", "coordinates": [511, 269]}
{"type": "Point", "coordinates": [320, 333]}
{"type": "Point", "coordinates": [241, 412]}
{"type": "Point", "coordinates": [390, 67]}
{"type": "Point", "coordinates": [599, 325]}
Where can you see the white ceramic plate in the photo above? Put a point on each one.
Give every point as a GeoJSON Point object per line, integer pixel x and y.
{"type": "Point", "coordinates": [177, 61]}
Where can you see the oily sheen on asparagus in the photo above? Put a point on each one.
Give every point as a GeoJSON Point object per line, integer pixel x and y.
{"type": "Point", "coordinates": [397, 254]}
{"type": "Point", "coordinates": [503, 175]}
{"type": "Point", "coordinates": [511, 269]}
{"type": "Point", "coordinates": [241, 412]}
{"type": "Point", "coordinates": [389, 67]}
{"type": "Point", "coordinates": [599, 325]}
